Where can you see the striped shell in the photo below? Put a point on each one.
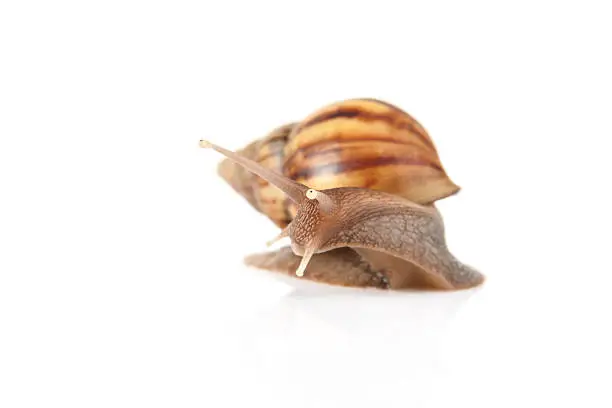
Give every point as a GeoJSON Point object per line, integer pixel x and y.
{"type": "Point", "coordinates": [353, 143]}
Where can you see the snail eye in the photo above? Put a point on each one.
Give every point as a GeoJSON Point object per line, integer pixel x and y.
{"type": "Point", "coordinates": [311, 194]}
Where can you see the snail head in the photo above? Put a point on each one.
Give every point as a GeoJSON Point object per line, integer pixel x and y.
{"type": "Point", "coordinates": [317, 211]}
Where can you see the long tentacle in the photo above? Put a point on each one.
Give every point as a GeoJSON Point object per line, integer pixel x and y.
{"type": "Point", "coordinates": [293, 189]}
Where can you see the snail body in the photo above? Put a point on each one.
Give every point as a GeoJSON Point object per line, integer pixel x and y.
{"type": "Point", "coordinates": [354, 143]}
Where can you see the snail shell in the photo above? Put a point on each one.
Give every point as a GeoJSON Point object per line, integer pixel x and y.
{"type": "Point", "coordinates": [354, 143]}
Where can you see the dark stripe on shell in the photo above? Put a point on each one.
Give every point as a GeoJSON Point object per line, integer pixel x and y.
{"type": "Point", "coordinates": [338, 167]}
{"type": "Point", "coordinates": [348, 113]}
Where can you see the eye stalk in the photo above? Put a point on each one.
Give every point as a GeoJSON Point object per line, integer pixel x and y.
{"type": "Point", "coordinates": [294, 190]}
{"type": "Point", "coordinates": [311, 194]}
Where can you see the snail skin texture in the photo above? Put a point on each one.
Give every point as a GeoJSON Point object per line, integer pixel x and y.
{"type": "Point", "coordinates": [355, 236]}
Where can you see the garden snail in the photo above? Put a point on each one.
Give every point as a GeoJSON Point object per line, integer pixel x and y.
{"type": "Point", "coordinates": [353, 187]}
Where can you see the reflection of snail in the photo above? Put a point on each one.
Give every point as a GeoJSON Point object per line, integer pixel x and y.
{"type": "Point", "coordinates": [372, 174]}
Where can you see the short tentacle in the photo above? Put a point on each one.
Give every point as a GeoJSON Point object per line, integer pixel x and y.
{"type": "Point", "coordinates": [308, 253]}
{"type": "Point", "coordinates": [283, 234]}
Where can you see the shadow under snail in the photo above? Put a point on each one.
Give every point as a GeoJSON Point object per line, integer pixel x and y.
{"type": "Point", "coordinates": [353, 187]}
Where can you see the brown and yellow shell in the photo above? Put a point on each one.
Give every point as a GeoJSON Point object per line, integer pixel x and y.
{"type": "Point", "coordinates": [354, 143]}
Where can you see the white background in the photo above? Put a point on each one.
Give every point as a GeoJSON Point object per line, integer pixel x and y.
{"type": "Point", "coordinates": [121, 276]}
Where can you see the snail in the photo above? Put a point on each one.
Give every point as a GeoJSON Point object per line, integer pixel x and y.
{"type": "Point", "coordinates": [353, 186]}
